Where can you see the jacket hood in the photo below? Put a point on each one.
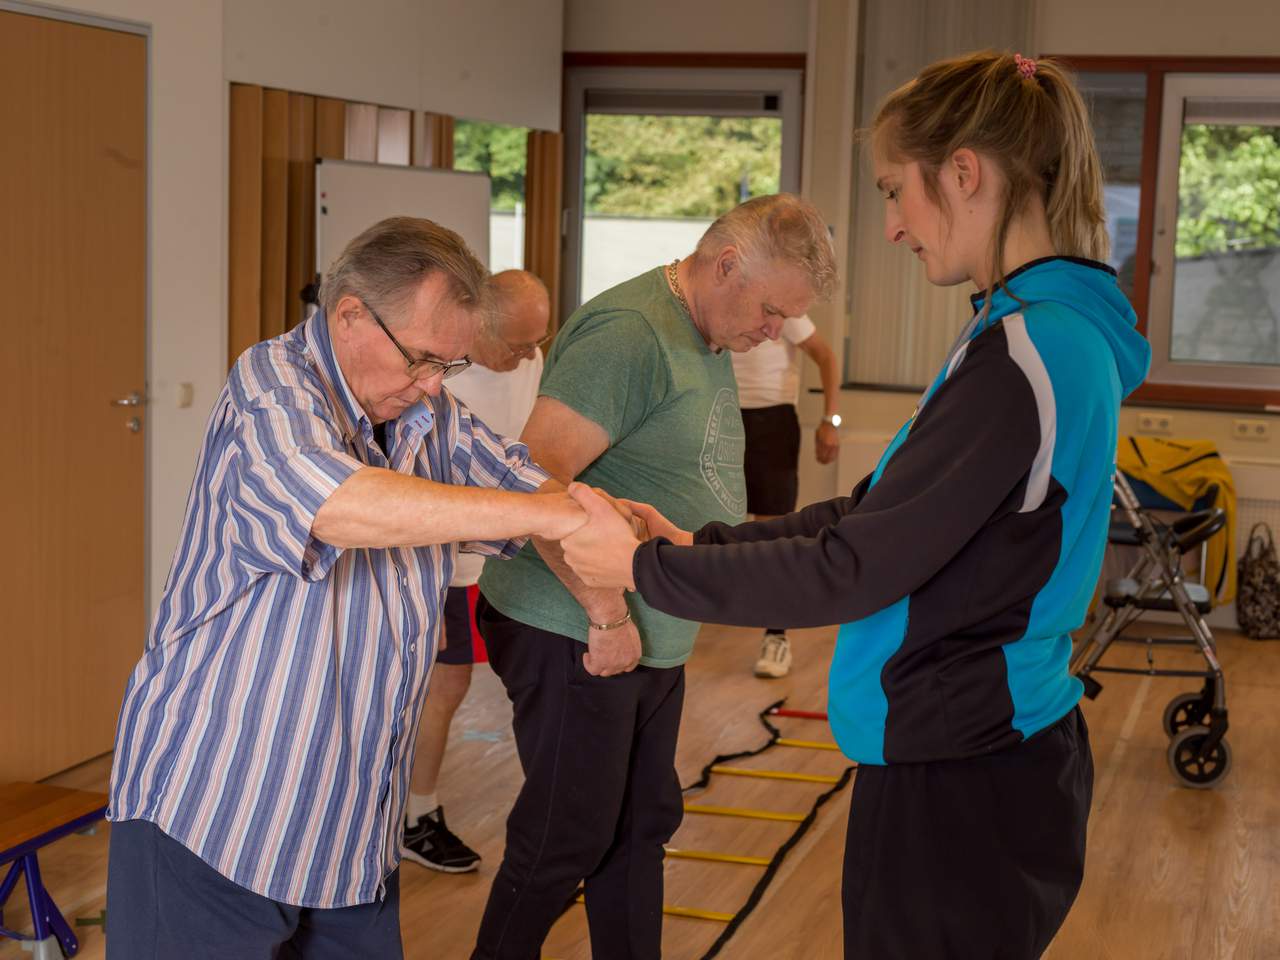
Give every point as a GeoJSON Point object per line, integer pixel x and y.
{"type": "Point", "coordinates": [1089, 289]}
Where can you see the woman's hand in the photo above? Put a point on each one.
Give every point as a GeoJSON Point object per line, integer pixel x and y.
{"type": "Point", "coordinates": [623, 507]}
{"type": "Point", "coordinates": [658, 525]}
{"type": "Point", "coordinates": [601, 550]}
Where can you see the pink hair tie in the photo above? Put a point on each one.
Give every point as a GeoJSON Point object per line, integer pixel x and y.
{"type": "Point", "coordinates": [1026, 66]}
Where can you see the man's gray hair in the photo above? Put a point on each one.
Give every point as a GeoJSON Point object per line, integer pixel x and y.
{"type": "Point", "coordinates": [385, 265]}
{"type": "Point", "coordinates": [780, 227]}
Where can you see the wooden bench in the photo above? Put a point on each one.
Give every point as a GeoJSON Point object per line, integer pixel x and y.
{"type": "Point", "coordinates": [33, 815]}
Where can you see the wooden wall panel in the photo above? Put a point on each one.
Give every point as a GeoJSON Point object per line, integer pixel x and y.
{"type": "Point", "coordinates": [440, 140]}
{"type": "Point", "coordinates": [275, 209]}
{"type": "Point", "coordinates": [362, 133]}
{"type": "Point", "coordinates": [544, 194]}
{"type": "Point", "coordinates": [331, 128]}
{"type": "Point", "coordinates": [301, 240]}
{"type": "Point", "coordinates": [395, 136]}
{"type": "Point", "coordinates": [276, 138]}
{"type": "Point", "coordinates": [245, 221]}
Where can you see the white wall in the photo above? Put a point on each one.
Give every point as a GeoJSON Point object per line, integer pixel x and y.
{"type": "Point", "coordinates": [615, 249]}
{"type": "Point", "coordinates": [701, 26]}
{"type": "Point", "coordinates": [1226, 28]}
{"type": "Point", "coordinates": [186, 232]}
{"type": "Point", "coordinates": [497, 60]}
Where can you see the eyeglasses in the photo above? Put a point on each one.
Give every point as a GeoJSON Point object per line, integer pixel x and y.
{"type": "Point", "coordinates": [528, 349]}
{"type": "Point", "coordinates": [421, 368]}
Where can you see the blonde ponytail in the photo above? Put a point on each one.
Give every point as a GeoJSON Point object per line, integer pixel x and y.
{"type": "Point", "coordinates": [1077, 215]}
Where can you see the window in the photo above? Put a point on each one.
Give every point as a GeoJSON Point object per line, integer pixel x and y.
{"type": "Point", "coordinates": [1216, 310]}
{"type": "Point", "coordinates": [502, 152]}
{"type": "Point", "coordinates": [1117, 105]}
{"type": "Point", "coordinates": [653, 184]}
{"type": "Point", "coordinates": [1203, 273]}
{"type": "Point", "coordinates": [654, 154]}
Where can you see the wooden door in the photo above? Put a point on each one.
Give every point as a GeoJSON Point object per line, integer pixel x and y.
{"type": "Point", "coordinates": [73, 258]}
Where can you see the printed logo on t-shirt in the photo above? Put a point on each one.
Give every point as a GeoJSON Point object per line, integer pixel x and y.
{"type": "Point", "coordinates": [722, 453]}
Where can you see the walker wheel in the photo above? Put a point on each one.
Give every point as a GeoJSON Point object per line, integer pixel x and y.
{"type": "Point", "coordinates": [1185, 710]}
{"type": "Point", "coordinates": [1190, 770]}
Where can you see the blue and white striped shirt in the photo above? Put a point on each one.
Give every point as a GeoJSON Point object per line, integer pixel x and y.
{"type": "Point", "coordinates": [269, 726]}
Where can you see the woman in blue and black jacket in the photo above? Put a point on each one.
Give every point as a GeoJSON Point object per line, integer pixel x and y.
{"type": "Point", "coordinates": [959, 567]}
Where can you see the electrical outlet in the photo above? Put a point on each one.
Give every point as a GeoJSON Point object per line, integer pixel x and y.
{"type": "Point", "coordinates": [1251, 430]}
{"type": "Point", "coordinates": [1155, 423]}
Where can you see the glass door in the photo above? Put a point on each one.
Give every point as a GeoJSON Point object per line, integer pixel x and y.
{"type": "Point", "coordinates": [653, 156]}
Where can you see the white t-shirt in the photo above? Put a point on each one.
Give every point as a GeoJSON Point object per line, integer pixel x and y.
{"type": "Point", "coordinates": [770, 374]}
{"type": "Point", "coordinates": [503, 402]}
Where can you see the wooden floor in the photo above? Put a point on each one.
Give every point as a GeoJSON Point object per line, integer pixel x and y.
{"type": "Point", "coordinates": [1172, 873]}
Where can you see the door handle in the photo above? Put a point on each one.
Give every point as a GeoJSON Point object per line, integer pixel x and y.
{"type": "Point", "coordinates": [132, 400]}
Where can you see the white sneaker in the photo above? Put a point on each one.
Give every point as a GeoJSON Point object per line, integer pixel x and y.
{"type": "Point", "coordinates": [775, 656]}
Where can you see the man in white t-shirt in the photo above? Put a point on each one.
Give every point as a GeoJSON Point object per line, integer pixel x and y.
{"type": "Point", "coordinates": [768, 389]}
{"type": "Point", "coordinates": [500, 389]}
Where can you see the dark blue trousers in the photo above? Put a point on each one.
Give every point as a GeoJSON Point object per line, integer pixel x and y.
{"type": "Point", "coordinates": [165, 902]}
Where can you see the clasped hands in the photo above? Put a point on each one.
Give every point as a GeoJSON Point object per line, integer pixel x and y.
{"type": "Point", "coordinates": [601, 550]}
{"type": "Point", "coordinates": [599, 535]}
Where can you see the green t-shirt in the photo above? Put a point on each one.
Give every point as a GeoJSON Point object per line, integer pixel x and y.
{"type": "Point", "coordinates": [632, 361]}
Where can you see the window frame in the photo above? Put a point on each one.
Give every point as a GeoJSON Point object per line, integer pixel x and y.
{"type": "Point", "coordinates": [1162, 388]}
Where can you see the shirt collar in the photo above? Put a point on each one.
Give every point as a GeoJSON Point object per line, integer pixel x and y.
{"type": "Point", "coordinates": [351, 415]}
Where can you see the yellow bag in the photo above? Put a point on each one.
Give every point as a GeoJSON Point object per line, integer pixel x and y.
{"type": "Point", "coordinates": [1185, 471]}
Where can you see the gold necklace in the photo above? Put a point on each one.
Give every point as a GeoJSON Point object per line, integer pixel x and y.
{"type": "Point", "coordinates": [674, 280]}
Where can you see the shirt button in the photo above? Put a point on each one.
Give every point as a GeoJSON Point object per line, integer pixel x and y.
{"type": "Point", "coordinates": [413, 648]}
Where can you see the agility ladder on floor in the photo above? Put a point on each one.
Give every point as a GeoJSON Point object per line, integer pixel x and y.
{"type": "Point", "coordinates": [803, 821]}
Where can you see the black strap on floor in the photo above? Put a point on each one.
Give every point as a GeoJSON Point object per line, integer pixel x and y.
{"type": "Point", "coordinates": [705, 779]}
{"type": "Point", "coordinates": [758, 891]}
{"type": "Point", "coordinates": [801, 829]}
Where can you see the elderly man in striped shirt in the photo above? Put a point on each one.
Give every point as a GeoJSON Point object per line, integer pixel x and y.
{"type": "Point", "coordinates": [266, 737]}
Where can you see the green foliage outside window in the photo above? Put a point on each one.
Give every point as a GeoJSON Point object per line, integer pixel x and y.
{"type": "Point", "coordinates": [678, 166]}
{"type": "Point", "coordinates": [1228, 189]}
{"type": "Point", "coordinates": [495, 149]}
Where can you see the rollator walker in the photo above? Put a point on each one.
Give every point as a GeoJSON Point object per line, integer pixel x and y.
{"type": "Point", "coordinates": [1199, 755]}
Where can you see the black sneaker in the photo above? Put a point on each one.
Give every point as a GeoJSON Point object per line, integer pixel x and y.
{"type": "Point", "coordinates": [432, 844]}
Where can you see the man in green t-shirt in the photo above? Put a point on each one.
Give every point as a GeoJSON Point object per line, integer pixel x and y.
{"type": "Point", "coordinates": [638, 398]}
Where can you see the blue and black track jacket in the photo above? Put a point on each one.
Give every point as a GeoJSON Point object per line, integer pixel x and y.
{"type": "Point", "coordinates": [959, 567]}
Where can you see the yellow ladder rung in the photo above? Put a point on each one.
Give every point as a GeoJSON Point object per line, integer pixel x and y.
{"type": "Point", "coordinates": [717, 857]}
{"type": "Point", "coordinates": [776, 775]}
{"type": "Point", "coordinates": [748, 814]}
{"type": "Point", "coordinates": [691, 912]}
{"type": "Point", "coordinates": [806, 744]}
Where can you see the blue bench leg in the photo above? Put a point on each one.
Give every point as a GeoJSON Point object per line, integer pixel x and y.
{"type": "Point", "coordinates": [52, 932]}
{"type": "Point", "coordinates": [7, 885]}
